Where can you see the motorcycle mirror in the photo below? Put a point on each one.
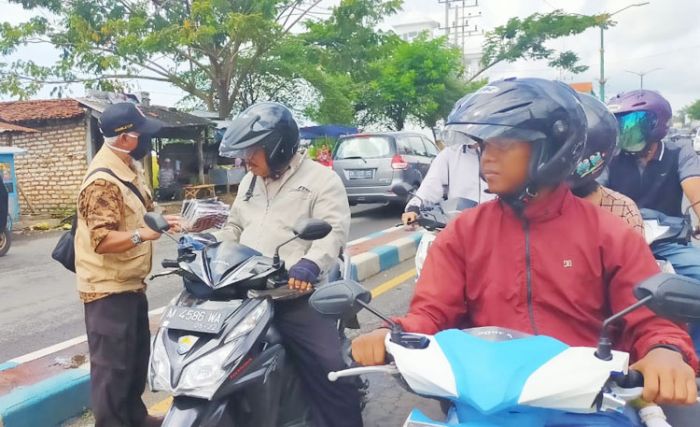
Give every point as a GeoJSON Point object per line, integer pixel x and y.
{"type": "Point", "coordinates": [312, 229]}
{"type": "Point", "coordinates": [402, 189]}
{"type": "Point", "coordinates": [156, 222]}
{"type": "Point", "coordinates": [340, 298]}
{"type": "Point", "coordinates": [673, 296]}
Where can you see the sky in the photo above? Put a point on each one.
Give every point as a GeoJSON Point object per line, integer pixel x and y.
{"type": "Point", "coordinates": [663, 34]}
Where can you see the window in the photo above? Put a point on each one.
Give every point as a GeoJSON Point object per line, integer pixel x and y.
{"type": "Point", "coordinates": [431, 148]}
{"type": "Point", "coordinates": [416, 143]}
{"type": "Point", "coordinates": [366, 147]}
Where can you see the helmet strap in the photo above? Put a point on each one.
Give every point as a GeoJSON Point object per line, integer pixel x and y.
{"type": "Point", "coordinates": [251, 188]}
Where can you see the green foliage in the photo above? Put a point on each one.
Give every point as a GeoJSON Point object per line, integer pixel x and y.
{"type": "Point", "coordinates": [526, 39]}
{"type": "Point", "coordinates": [420, 80]}
{"type": "Point", "coordinates": [693, 110]}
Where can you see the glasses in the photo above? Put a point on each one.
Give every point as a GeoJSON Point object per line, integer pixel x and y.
{"type": "Point", "coordinates": [635, 130]}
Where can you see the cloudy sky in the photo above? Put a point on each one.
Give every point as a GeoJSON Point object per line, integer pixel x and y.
{"type": "Point", "coordinates": [664, 34]}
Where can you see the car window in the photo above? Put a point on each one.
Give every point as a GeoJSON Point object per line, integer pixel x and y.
{"type": "Point", "coordinates": [416, 143]}
{"type": "Point", "coordinates": [431, 148]}
{"type": "Point", "coordinates": [403, 146]}
{"type": "Point", "coordinates": [367, 147]}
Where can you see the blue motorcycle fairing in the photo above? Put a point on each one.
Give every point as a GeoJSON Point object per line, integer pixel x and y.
{"type": "Point", "coordinates": [490, 375]}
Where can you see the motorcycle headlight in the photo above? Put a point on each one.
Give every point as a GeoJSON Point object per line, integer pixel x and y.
{"type": "Point", "coordinates": [249, 323]}
{"type": "Point", "coordinates": [159, 367]}
{"type": "Point", "coordinates": [202, 377]}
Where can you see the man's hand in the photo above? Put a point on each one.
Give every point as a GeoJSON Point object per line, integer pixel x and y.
{"type": "Point", "coordinates": [667, 378]}
{"type": "Point", "coordinates": [303, 274]}
{"type": "Point", "coordinates": [175, 222]}
{"type": "Point", "coordinates": [409, 218]}
{"type": "Point", "coordinates": [369, 349]}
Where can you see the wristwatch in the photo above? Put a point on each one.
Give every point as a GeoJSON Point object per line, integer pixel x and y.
{"type": "Point", "coordinates": [136, 238]}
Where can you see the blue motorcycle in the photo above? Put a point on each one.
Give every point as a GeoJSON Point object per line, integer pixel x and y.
{"type": "Point", "coordinates": [492, 376]}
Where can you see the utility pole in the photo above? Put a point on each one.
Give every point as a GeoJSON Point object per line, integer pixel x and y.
{"type": "Point", "coordinates": [641, 75]}
{"type": "Point", "coordinates": [461, 26]}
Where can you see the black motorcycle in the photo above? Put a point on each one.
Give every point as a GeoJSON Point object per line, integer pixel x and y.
{"type": "Point", "coordinates": [217, 350]}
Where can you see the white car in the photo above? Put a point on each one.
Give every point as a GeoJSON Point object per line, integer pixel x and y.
{"type": "Point", "coordinates": [696, 141]}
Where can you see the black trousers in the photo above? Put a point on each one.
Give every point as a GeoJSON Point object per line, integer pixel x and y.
{"type": "Point", "coordinates": [119, 343]}
{"type": "Point", "coordinates": [315, 349]}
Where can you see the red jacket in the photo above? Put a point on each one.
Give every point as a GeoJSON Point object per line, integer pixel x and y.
{"type": "Point", "coordinates": [560, 272]}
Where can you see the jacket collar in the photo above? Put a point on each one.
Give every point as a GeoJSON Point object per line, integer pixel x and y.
{"type": "Point", "coordinates": [546, 208]}
{"type": "Point", "coordinates": [108, 157]}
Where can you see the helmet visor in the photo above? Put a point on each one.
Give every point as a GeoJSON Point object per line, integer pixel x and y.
{"type": "Point", "coordinates": [635, 130]}
{"type": "Point", "coordinates": [452, 137]}
{"type": "Point", "coordinates": [481, 132]}
{"type": "Point", "coordinates": [241, 153]}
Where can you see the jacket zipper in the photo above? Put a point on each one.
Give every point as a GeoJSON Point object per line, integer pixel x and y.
{"type": "Point", "coordinates": [528, 275]}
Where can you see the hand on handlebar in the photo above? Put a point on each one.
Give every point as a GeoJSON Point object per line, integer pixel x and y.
{"type": "Point", "coordinates": [667, 378]}
{"type": "Point", "coordinates": [409, 218]}
{"type": "Point", "coordinates": [370, 349]}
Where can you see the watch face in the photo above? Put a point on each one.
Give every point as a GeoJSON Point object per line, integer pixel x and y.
{"type": "Point", "coordinates": [136, 238]}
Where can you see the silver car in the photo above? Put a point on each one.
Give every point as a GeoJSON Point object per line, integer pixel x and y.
{"type": "Point", "coordinates": [370, 164]}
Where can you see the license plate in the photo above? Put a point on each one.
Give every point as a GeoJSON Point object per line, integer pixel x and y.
{"type": "Point", "coordinates": [194, 320]}
{"type": "Point", "coordinates": [360, 174]}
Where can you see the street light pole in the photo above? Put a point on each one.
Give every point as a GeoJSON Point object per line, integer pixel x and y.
{"type": "Point", "coordinates": [602, 79]}
{"type": "Point", "coordinates": [642, 74]}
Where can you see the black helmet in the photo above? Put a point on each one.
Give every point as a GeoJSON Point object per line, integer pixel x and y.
{"type": "Point", "coordinates": [601, 142]}
{"type": "Point", "coordinates": [544, 112]}
{"type": "Point", "coordinates": [269, 125]}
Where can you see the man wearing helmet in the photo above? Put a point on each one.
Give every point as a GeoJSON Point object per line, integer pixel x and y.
{"type": "Point", "coordinates": [506, 262]}
{"type": "Point", "coordinates": [656, 174]}
{"type": "Point", "coordinates": [453, 173]}
{"type": "Point", "coordinates": [601, 142]}
{"type": "Point", "coordinates": [283, 187]}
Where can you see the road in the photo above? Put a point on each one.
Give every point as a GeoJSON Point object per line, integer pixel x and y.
{"type": "Point", "coordinates": [40, 306]}
{"type": "Point", "coordinates": [388, 405]}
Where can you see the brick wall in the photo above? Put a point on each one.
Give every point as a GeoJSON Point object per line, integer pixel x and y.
{"type": "Point", "coordinates": [50, 173]}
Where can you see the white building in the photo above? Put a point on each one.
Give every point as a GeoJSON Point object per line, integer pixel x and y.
{"type": "Point", "coordinates": [411, 30]}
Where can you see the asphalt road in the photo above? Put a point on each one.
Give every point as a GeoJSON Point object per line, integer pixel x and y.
{"type": "Point", "coordinates": [39, 306]}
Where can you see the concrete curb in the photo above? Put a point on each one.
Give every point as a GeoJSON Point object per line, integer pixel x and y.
{"type": "Point", "coordinates": [384, 256]}
{"type": "Point", "coordinates": [58, 393]}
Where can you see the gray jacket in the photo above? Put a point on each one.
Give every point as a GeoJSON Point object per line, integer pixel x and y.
{"type": "Point", "coordinates": [306, 190]}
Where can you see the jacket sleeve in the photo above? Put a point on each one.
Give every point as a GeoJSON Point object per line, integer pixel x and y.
{"type": "Point", "coordinates": [331, 205]}
{"type": "Point", "coordinates": [628, 261]}
{"type": "Point", "coordinates": [439, 300]}
{"type": "Point", "coordinates": [431, 189]}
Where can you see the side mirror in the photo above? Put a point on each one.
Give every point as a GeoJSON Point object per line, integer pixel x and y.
{"type": "Point", "coordinates": [672, 296]}
{"type": "Point", "coordinates": [156, 222]}
{"type": "Point", "coordinates": [402, 189]}
{"type": "Point", "coordinates": [312, 229]}
{"type": "Point", "coordinates": [341, 298]}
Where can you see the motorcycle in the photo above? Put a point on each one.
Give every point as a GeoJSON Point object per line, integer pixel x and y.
{"type": "Point", "coordinates": [217, 350]}
{"type": "Point", "coordinates": [494, 376]}
{"type": "Point", "coordinates": [6, 237]}
{"type": "Point", "coordinates": [660, 229]}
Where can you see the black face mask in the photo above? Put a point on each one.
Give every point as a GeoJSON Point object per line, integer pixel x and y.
{"type": "Point", "coordinates": [142, 148]}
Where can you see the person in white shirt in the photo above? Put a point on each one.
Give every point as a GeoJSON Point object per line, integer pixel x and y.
{"type": "Point", "coordinates": [453, 173]}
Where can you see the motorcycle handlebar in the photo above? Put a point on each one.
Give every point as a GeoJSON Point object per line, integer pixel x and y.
{"type": "Point", "coordinates": [170, 263]}
{"type": "Point", "coordinates": [633, 379]}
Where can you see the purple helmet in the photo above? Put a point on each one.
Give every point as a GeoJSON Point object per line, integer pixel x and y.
{"type": "Point", "coordinates": [644, 117]}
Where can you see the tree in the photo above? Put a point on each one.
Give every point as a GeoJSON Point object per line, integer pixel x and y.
{"type": "Point", "coordinates": [526, 38]}
{"type": "Point", "coordinates": [208, 48]}
{"type": "Point", "coordinates": [419, 79]}
{"type": "Point", "coordinates": [340, 53]}
{"type": "Point", "coordinates": [693, 110]}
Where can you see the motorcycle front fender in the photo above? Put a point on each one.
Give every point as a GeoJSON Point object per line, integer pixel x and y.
{"type": "Point", "coordinates": [194, 412]}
